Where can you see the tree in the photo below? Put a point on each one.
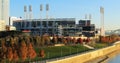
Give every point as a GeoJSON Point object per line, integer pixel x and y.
{"type": "Point", "coordinates": [46, 39]}
{"type": "Point", "coordinates": [31, 52]}
{"type": "Point", "coordinates": [42, 53]}
{"type": "Point", "coordinates": [23, 50]}
{"type": "Point", "coordinates": [27, 39]}
{"type": "Point", "coordinates": [64, 40]}
{"type": "Point", "coordinates": [114, 37]}
{"type": "Point", "coordinates": [4, 50]}
{"type": "Point", "coordinates": [79, 40]}
{"type": "Point", "coordinates": [74, 40]}
{"type": "Point", "coordinates": [87, 40]}
{"type": "Point", "coordinates": [42, 41]}
{"type": "Point", "coordinates": [54, 40]}
{"type": "Point", "coordinates": [68, 40]}
{"type": "Point", "coordinates": [38, 40]}
{"type": "Point", "coordinates": [9, 54]}
{"type": "Point", "coordinates": [15, 55]}
{"type": "Point", "coordinates": [103, 39]}
{"type": "Point", "coordinates": [12, 41]}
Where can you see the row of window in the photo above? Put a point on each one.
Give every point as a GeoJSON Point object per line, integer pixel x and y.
{"type": "Point", "coordinates": [43, 24]}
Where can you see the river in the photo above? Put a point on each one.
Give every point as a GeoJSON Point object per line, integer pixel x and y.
{"type": "Point", "coordinates": [114, 59]}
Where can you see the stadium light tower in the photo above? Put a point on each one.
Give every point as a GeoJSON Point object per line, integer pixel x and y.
{"type": "Point", "coordinates": [47, 9]}
{"type": "Point", "coordinates": [85, 16]}
{"type": "Point", "coordinates": [90, 16]}
{"type": "Point", "coordinates": [25, 12]}
{"type": "Point", "coordinates": [30, 12]}
{"type": "Point", "coordinates": [41, 9]}
{"type": "Point", "coordinates": [102, 31]}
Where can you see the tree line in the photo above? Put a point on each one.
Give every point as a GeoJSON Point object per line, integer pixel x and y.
{"type": "Point", "coordinates": [19, 47]}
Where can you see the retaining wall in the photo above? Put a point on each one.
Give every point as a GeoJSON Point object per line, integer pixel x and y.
{"type": "Point", "coordinates": [89, 55]}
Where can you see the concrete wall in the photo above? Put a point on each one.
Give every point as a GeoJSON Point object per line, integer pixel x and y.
{"type": "Point", "coordinates": [89, 55]}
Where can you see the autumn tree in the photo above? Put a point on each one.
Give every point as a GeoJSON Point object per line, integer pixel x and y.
{"type": "Point", "coordinates": [12, 41]}
{"type": "Point", "coordinates": [23, 50]}
{"type": "Point", "coordinates": [3, 49]}
{"type": "Point", "coordinates": [9, 54]}
{"type": "Point", "coordinates": [38, 40]}
{"type": "Point", "coordinates": [114, 37]}
{"type": "Point", "coordinates": [15, 56]}
{"type": "Point", "coordinates": [42, 41]}
{"type": "Point", "coordinates": [31, 52]}
{"type": "Point", "coordinates": [80, 40]}
{"type": "Point", "coordinates": [69, 39]}
{"type": "Point", "coordinates": [42, 53]}
{"type": "Point", "coordinates": [16, 39]}
{"type": "Point", "coordinates": [46, 39]}
{"type": "Point", "coordinates": [103, 39]}
{"type": "Point", "coordinates": [87, 40]}
{"type": "Point", "coordinates": [74, 40]}
{"type": "Point", "coordinates": [54, 39]}
{"type": "Point", "coordinates": [64, 40]}
{"type": "Point", "coordinates": [27, 39]}
{"type": "Point", "coordinates": [1, 55]}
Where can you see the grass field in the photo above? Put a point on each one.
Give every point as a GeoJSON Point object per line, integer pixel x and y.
{"type": "Point", "coordinates": [101, 45]}
{"type": "Point", "coordinates": [60, 51]}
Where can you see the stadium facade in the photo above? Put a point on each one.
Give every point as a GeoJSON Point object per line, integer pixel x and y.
{"type": "Point", "coordinates": [59, 26]}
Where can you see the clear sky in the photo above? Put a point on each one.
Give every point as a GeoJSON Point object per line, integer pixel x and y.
{"type": "Point", "coordinates": [72, 9]}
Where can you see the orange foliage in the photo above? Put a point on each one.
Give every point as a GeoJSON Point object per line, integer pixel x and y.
{"type": "Point", "coordinates": [103, 39]}
{"type": "Point", "coordinates": [107, 39]}
{"type": "Point", "coordinates": [88, 40]}
{"type": "Point", "coordinates": [31, 52]}
{"type": "Point", "coordinates": [55, 39]}
{"type": "Point", "coordinates": [15, 56]}
{"type": "Point", "coordinates": [64, 40]}
{"type": "Point", "coordinates": [80, 40]}
{"type": "Point", "coordinates": [74, 40]}
{"type": "Point", "coordinates": [10, 54]}
{"type": "Point", "coordinates": [4, 49]}
{"type": "Point", "coordinates": [42, 53]}
{"type": "Point", "coordinates": [23, 51]}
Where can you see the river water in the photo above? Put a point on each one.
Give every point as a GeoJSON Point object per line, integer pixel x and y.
{"type": "Point", "coordinates": [115, 59]}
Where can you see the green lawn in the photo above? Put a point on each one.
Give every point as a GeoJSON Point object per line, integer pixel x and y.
{"type": "Point", "coordinates": [101, 45]}
{"type": "Point", "coordinates": [60, 51]}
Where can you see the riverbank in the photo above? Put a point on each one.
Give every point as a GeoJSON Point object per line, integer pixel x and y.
{"type": "Point", "coordinates": [97, 60]}
{"type": "Point", "coordinates": [105, 58]}
{"type": "Point", "coordinates": [85, 57]}
{"type": "Point", "coordinates": [110, 56]}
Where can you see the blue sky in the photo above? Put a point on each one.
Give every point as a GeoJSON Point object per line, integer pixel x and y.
{"type": "Point", "coordinates": [72, 9]}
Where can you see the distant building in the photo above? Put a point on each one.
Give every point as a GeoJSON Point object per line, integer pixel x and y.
{"type": "Point", "coordinates": [4, 10]}
{"type": "Point", "coordinates": [10, 28]}
{"type": "Point", "coordinates": [11, 19]}
{"type": "Point", "coordinates": [84, 22]}
{"type": "Point", "coordinates": [88, 29]}
{"type": "Point", "coordinates": [2, 25]}
{"type": "Point", "coordinates": [59, 26]}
